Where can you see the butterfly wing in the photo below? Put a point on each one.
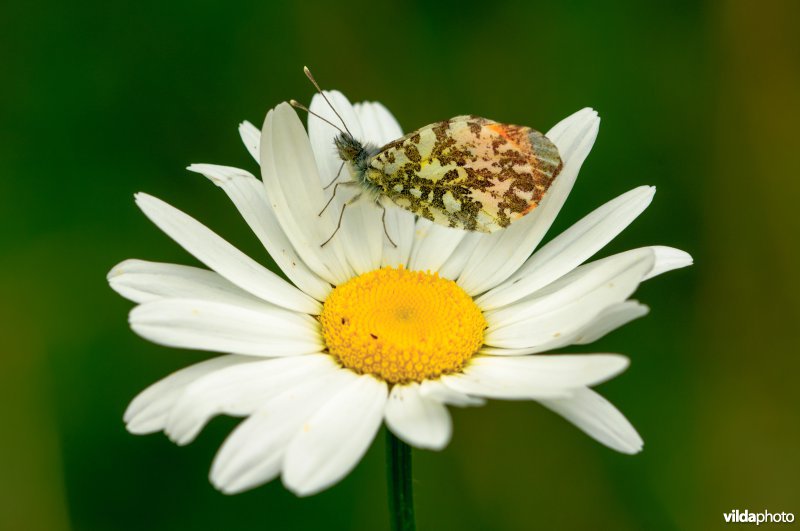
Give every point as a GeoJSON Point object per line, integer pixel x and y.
{"type": "Point", "coordinates": [467, 172]}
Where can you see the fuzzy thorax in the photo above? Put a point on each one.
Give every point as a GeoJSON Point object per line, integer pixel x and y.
{"type": "Point", "coordinates": [358, 157]}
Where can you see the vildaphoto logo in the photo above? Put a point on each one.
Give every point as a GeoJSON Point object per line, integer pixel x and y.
{"type": "Point", "coordinates": [746, 517]}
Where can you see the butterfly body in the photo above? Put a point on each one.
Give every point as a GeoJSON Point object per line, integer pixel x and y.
{"type": "Point", "coordinates": [467, 172]}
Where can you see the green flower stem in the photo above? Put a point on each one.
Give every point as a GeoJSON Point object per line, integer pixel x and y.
{"type": "Point", "coordinates": [398, 477]}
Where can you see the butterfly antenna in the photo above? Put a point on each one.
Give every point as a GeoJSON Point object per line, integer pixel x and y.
{"type": "Point", "coordinates": [316, 85]}
{"type": "Point", "coordinates": [297, 105]}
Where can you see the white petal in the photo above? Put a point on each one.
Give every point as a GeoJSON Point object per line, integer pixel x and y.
{"type": "Point", "coordinates": [433, 245]}
{"type": "Point", "coordinates": [335, 438]}
{"type": "Point", "coordinates": [571, 248]}
{"type": "Point", "coordinates": [606, 321]}
{"type": "Point", "coordinates": [253, 453]}
{"type": "Point", "coordinates": [142, 281]}
{"type": "Point", "coordinates": [251, 137]}
{"type": "Point", "coordinates": [378, 125]}
{"type": "Point", "coordinates": [537, 377]}
{"type": "Point", "coordinates": [400, 224]}
{"type": "Point", "coordinates": [558, 130]}
{"type": "Point", "coordinates": [436, 390]}
{"type": "Point", "coordinates": [609, 320]}
{"type": "Point", "coordinates": [667, 259]}
{"type": "Point", "coordinates": [455, 263]}
{"type": "Point", "coordinates": [361, 232]}
{"type": "Point", "coordinates": [220, 327]}
{"type": "Point", "coordinates": [250, 198]}
{"type": "Point", "coordinates": [148, 412]}
{"type": "Point", "coordinates": [569, 303]}
{"type": "Point", "coordinates": [599, 419]}
{"type": "Point", "coordinates": [292, 183]}
{"type": "Point", "coordinates": [500, 254]}
{"type": "Point", "coordinates": [240, 390]}
{"type": "Point", "coordinates": [224, 258]}
{"type": "Point", "coordinates": [418, 420]}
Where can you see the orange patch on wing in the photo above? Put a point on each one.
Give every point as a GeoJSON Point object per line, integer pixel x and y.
{"type": "Point", "coordinates": [501, 130]}
{"type": "Point", "coordinates": [512, 133]}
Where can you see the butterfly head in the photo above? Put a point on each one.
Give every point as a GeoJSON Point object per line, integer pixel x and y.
{"type": "Point", "coordinates": [349, 149]}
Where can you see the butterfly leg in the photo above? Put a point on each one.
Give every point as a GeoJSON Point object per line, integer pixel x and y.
{"type": "Point", "coordinates": [341, 214]}
{"type": "Point", "coordinates": [385, 231]}
{"type": "Point", "coordinates": [334, 195]}
{"type": "Point", "coordinates": [338, 173]}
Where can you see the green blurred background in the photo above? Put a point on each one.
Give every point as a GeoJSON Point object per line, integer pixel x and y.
{"type": "Point", "coordinates": [103, 99]}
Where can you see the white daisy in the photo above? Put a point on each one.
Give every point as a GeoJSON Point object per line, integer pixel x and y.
{"type": "Point", "coordinates": [367, 331]}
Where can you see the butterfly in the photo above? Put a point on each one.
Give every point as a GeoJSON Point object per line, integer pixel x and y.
{"type": "Point", "coordinates": [467, 172]}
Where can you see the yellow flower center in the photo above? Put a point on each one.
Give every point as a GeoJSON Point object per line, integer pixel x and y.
{"type": "Point", "coordinates": [401, 325]}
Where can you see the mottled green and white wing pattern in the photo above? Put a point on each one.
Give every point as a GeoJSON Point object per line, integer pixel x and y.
{"type": "Point", "coordinates": [467, 172]}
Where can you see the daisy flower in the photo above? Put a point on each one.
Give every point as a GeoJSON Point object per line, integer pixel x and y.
{"type": "Point", "coordinates": [366, 331]}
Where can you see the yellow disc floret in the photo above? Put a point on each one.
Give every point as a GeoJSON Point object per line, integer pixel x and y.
{"type": "Point", "coordinates": [401, 325]}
